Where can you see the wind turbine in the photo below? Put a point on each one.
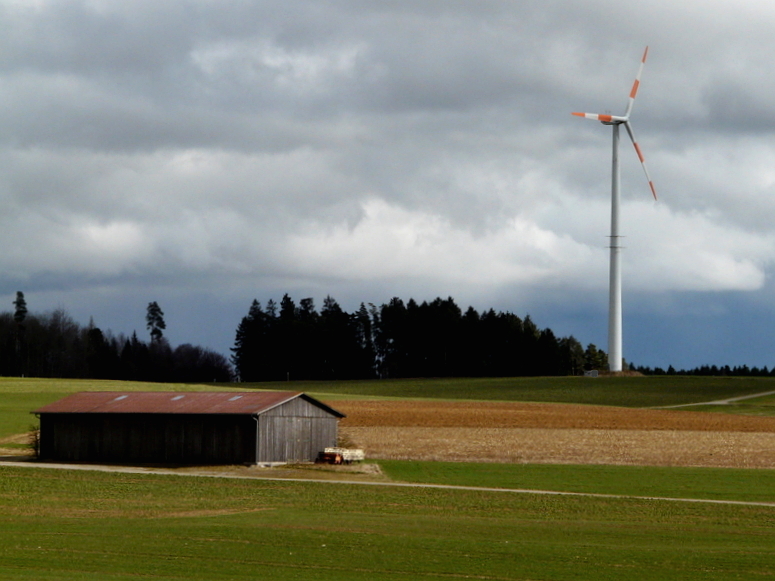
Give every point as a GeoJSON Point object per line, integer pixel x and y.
{"type": "Point", "coordinates": [615, 271]}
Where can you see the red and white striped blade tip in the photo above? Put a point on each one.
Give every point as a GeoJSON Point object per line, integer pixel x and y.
{"type": "Point", "coordinates": [653, 191]}
{"type": "Point", "coordinates": [595, 116]}
{"type": "Point", "coordinates": [602, 118]}
{"type": "Point", "coordinates": [636, 83]}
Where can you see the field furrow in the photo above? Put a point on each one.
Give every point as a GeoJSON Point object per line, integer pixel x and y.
{"type": "Point", "coordinates": [555, 433]}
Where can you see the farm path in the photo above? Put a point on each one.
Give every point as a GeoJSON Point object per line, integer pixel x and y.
{"type": "Point", "coordinates": [205, 474]}
{"type": "Point", "coordinates": [718, 401]}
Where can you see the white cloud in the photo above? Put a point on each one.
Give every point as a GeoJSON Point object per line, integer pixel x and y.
{"type": "Point", "coordinates": [391, 241]}
{"type": "Point", "coordinates": [677, 251]}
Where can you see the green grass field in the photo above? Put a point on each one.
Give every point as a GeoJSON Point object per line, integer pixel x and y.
{"type": "Point", "coordinates": [69, 525]}
{"type": "Point", "coordinates": [745, 485]}
{"type": "Point", "coordinates": [758, 406]}
{"type": "Point", "coordinates": [655, 391]}
{"type": "Point", "coordinates": [86, 525]}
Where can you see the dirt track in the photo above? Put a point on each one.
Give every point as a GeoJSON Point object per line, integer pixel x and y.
{"type": "Point", "coordinates": [556, 433]}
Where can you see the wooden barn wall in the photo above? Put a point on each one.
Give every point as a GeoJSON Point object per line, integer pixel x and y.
{"type": "Point", "coordinates": [298, 407]}
{"type": "Point", "coordinates": [295, 432]}
{"type": "Point", "coordinates": [206, 439]}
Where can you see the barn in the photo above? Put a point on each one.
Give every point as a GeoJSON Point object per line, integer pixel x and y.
{"type": "Point", "coordinates": [261, 427]}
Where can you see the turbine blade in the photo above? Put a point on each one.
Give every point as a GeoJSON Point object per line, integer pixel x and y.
{"type": "Point", "coordinates": [636, 84]}
{"type": "Point", "coordinates": [640, 157]}
{"type": "Point", "coordinates": [602, 118]}
{"type": "Point", "coordinates": [594, 116]}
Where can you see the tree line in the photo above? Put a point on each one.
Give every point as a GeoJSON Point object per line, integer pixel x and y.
{"type": "Point", "coordinates": [710, 370]}
{"type": "Point", "coordinates": [54, 345]}
{"type": "Point", "coordinates": [397, 339]}
{"type": "Point", "coordinates": [286, 341]}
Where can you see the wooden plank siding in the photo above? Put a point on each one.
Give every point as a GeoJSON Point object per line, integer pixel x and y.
{"type": "Point", "coordinates": [293, 439]}
{"type": "Point", "coordinates": [289, 431]}
{"type": "Point", "coordinates": [148, 438]}
{"type": "Point", "coordinates": [294, 432]}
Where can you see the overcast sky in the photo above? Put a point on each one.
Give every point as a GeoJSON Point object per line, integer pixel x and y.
{"type": "Point", "coordinates": [205, 153]}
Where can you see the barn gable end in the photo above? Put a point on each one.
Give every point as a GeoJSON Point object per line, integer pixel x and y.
{"type": "Point", "coordinates": [189, 428]}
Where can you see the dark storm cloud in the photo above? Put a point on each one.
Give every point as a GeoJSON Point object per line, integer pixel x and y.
{"type": "Point", "coordinates": [239, 149]}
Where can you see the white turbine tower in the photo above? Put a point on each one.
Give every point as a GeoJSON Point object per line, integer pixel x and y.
{"type": "Point", "coordinates": [615, 273]}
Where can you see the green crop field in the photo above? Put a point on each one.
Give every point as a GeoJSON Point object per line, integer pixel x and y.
{"type": "Point", "coordinates": [744, 485]}
{"type": "Point", "coordinates": [653, 391]}
{"type": "Point", "coordinates": [84, 525]}
{"type": "Point", "coordinates": [69, 525]}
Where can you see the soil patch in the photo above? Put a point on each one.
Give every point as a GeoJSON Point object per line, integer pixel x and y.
{"type": "Point", "coordinates": [556, 433]}
{"type": "Point", "coordinates": [460, 414]}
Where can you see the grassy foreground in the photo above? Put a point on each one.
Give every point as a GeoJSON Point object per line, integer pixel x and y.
{"type": "Point", "coordinates": [69, 525]}
{"type": "Point", "coordinates": [742, 485]}
{"type": "Point", "coordinates": [73, 525]}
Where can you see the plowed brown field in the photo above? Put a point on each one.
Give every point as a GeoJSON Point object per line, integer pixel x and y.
{"type": "Point", "coordinates": [556, 433]}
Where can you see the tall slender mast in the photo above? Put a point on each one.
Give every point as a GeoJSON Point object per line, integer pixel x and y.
{"type": "Point", "coordinates": [615, 272]}
{"type": "Point", "coordinates": [615, 269]}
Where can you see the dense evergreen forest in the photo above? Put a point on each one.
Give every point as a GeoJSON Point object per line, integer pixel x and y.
{"type": "Point", "coordinates": [397, 339]}
{"type": "Point", "coordinates": [293, 342]}
{"type": "Point", "coordinates": [53, 345]}
{"type": "Point", "coordinates": [711, 370]}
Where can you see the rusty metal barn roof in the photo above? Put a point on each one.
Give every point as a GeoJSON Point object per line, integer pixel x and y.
{"type": "Point", "coordinates": [168, 402]}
